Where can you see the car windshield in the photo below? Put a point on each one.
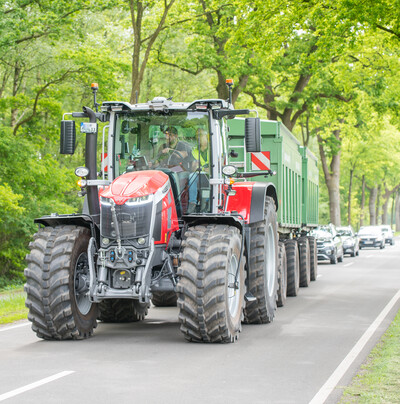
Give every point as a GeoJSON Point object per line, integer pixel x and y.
{"type": "Point", "coordinates": [344, 232]}
{"type": "Point", "coordinates": [176, 143]}
{"type": "Point", "coordinates": [369, 230]}
{"type": "Point", "coordinates": [321, 234]}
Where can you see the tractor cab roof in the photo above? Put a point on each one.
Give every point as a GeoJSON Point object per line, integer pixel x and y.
{"type": "Point", "coordinates": [165, 105]}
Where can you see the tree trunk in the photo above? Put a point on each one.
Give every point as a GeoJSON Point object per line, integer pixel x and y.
{"type": "Point", "coordinates": [142, 47]}
{"type": "Point", "coordinates": [16, 82]}
{"type": "Point", "coordinates": [332, 178]}
{"type": "Point", "coordinates": [378, 203]}
{"type": "Point", "coordinates": [397, 212]}
{"type": "Point", "coordinates": [362, 201]}
{"type": "Point", "coordinates": [386, 198]}
{"type": "Point", "coordinates": [349, 197]}
{"type": "Point", "coordinates": [373, 193]}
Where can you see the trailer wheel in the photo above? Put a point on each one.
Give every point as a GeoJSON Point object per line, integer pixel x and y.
{"type": "Point", "coordinates": [122, 311]}
{"type": "Point", "coordinates": [282, 275]}
{"type": "Point", "coordinates": [293, 267]}
{"type": "Point", "coordinates": [57, 282]}
{"type": "Point", "coordinates": [263, 267]}
{"type": "Point", "coordinates": [312, 241]}
{"type": "Point", "coordinates": [304, 259]}
{"type": "Point", "coordinates": [164, 299]}
{"type": "Point", "coordinates": [210, 300]}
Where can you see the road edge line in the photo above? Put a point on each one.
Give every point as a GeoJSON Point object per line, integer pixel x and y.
{"type": "Point", "coordinates": [340, 371]}
{"type": "Point", "coordinates": [34, 385]}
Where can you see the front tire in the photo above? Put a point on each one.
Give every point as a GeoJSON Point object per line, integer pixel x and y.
{"type": "Point", "coordinates": [263, 267]}
{"type": "Point", "coordinates": [57, 279]}
{"type": "Point", "coordinates": [209, 299]}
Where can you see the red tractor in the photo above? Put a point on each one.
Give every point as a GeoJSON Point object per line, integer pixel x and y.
{"type": "Point", "coordinates": [166, 220]}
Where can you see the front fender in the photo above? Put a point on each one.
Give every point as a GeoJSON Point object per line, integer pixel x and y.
{"type": "Point", "coordinates": [81, 220]}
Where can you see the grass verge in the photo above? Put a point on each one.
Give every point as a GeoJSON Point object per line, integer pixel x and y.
{"type": "Point", "coordinates": [12, 307]}
{"type": "Point", "coordinates": [379, 379]}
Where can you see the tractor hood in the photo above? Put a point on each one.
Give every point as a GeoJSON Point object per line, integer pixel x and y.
{"type": "Point", "coordinates": [135, 184]}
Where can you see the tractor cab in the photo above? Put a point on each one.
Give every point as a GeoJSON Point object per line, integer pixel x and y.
{"type": "Point", "coordinates": [176, 143]}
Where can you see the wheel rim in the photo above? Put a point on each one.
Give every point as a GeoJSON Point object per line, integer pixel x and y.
{"type": "Point", "coordinates": [270, 263]}
{"type": "Point", "coordinates": [81, 284]}
{"type": "Point", "coordinates": [233, 289]}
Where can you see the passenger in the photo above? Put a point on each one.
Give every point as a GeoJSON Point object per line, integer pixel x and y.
{"type": "Point", "coordinates": [200, 165]}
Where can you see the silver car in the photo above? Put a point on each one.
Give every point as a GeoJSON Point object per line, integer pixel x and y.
{"type": "Point", "coordinates": [350, 240]}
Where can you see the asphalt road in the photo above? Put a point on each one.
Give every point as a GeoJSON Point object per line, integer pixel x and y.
{"type": "Point", "coordinates": [288, 361]}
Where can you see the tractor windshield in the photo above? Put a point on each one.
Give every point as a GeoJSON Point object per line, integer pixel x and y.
{"type": "Point", "coordinates": [175, 143]}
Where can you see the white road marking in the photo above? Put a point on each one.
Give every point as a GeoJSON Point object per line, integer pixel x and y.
{"type": "Point", "coordinates": [13, 326]}
{"type": "Point", "coordinates": [370, 255]}
{"type": "Point", "coordinates": [339, 372]}
{"type": "Point", "coordinates": [31, 386]}
{"type": "Point", "coordinates": [319, 276]}
{"type": "Point", "coordinates": [347, 265]}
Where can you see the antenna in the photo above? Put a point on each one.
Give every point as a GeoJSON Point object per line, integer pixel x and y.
{"type": "Point", "coordinates": [95, 87]}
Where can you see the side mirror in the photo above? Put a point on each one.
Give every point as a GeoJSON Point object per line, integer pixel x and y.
{"type": "Point", "coordinates": [252, 132]}
{"type": "Point", "coordinates": [67, 137]}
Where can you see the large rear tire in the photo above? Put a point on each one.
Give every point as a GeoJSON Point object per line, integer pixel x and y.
{"type": "Point", "coordinates": [210, 300]}
{"type": "Point", "coordinates": [263, 267]}
{"type": "Point", "coordinates": [304, 259]}
{"type": "Point", "coordinates": [164, 299]}
{"type": "Point", "coordinates": [57, 282]}
{"type": "Point", "coordinates": [122, 311]}
{"type": "Point", "coordinates": [293, 267]}
{"type": "Point", "coordinates": [282, 275]}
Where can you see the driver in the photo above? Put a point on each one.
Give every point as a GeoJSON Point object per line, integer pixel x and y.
{"type": "Point", "coordinates": [174, 151]}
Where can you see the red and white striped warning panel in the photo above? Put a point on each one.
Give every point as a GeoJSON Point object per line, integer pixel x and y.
{"type": "Point", "coordinates": [260, 161]}
{"type": "Point", "coordinates": [104, 163]}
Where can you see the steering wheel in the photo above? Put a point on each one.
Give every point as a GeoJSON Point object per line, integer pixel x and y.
{"type": "Point", "coordinates": [173, 151]}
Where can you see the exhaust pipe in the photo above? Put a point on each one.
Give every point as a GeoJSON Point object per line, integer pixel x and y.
{"type": "Point", "coordinates": [91, 164]}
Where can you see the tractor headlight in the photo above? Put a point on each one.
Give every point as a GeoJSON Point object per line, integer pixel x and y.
{"type": "Point", "coordinates": [139, 199]}
{"type": "Point", "coordinates": [81, 172]}
{"type": "Point", "coordinates": [141, 240]}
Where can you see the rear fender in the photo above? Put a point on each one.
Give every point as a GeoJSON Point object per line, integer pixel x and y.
{"type": "Point", "coordinates": [194, 220]}
{"type": "Point", "coordinates": [249, 200]}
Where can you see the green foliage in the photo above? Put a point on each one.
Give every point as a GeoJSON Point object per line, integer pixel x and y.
{"type": "Point", "coordinates": [327, 68]}
{"type": "Point", "coordinates": [12, 307]}
{"type": "Point", "coordinates": [379, 382]}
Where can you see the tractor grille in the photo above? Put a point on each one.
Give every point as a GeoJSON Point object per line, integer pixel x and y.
{"type": "Point", "coordinates": [133, 220]}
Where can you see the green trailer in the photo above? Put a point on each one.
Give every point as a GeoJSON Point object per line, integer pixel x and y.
{"type": "Point", "coordinates": [296, 168]}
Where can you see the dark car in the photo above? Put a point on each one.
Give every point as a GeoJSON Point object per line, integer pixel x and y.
{"type": "Point", "coordinates": [371, 236]}
{"type": "Point", "coordinates": [329, 244]}
{"type": "Point", "coordinates": [350, 240]}
{"type": "Point", "coordinates": [388, 234]}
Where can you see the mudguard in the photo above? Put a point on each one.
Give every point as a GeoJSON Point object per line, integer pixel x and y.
{"type": "Point", "coordinates": [249, 200]}
{"type": "Point", "coordinates": [81, 220]}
